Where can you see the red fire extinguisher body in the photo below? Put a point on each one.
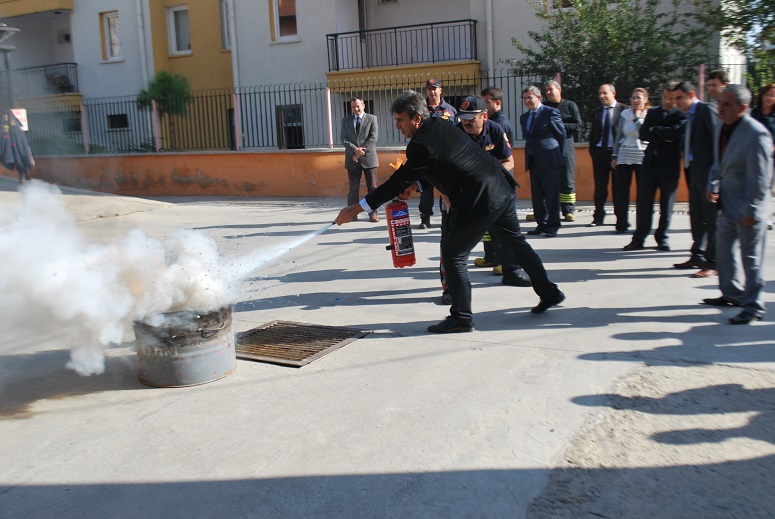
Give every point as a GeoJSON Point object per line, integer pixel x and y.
{"type": "Point", "coordinates": [400, 233]}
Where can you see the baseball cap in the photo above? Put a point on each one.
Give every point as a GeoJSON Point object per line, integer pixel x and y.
{"type": "Point", "coordinates": [471, 107]}
{"type": "Point", "coordinates": [433, 83]}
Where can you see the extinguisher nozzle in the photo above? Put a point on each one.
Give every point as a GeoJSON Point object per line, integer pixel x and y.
{"type": "Point", "coordinates": [389, 247]}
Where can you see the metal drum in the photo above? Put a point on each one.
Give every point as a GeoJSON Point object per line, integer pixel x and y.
{"type": "Point", "coordinates": [187, 349]}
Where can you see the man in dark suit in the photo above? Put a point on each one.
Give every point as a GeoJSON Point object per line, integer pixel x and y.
{"type": "Point", "coordinates": [481, 196]}
{"type": "Point", "coordinates": [698, 159]}
{"type": "Point", "coordinates": [601, 143]}
{"type": "Point", "coordinates": [359, 137]}
{"type": "Point", "coordinates": [544, 145]}
{"type": "Point", "coordinates": [663, 129]}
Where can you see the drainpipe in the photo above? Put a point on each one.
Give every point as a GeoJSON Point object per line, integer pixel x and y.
{"type": "Point", "coordinates": [141, 33]}
{"type": "Point", "coordinates": [489, 38]}
{"type": "Point", "coordinates": [233, 37]}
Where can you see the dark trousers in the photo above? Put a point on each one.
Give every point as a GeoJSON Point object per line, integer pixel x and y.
{"type": "Point", "coordinates": [457, 244]}
{"type": "Point", "coordinates": [568, 179]}
{"type": "Point", "coordinates": [648, 183]}
{"type": "Point", "coordinates": [702, 215]}
{"type": "Point", "coordinates": [601, 168]}
{"type": "Point", "coordinates": [545, 190]}
{"type": "Point", "coordinates": [354, 176]}
{"type": "Point", "coordinates": [621, 182]}
{"type": "Point", "coordinates": [426, 199]}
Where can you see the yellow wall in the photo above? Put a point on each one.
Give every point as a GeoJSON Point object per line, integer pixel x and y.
{"type": "Point", "coordinates": [256, 174]}
{"type": "Point", "coordinates": [11, 8]}
{"type": "Point", "coordinates": [208, 66]}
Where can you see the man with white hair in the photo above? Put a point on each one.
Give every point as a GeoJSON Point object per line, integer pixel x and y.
{"type": "Point", "coordinates": [740, 182]}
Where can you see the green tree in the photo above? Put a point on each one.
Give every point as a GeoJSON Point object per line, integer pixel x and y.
{"type": "Point", "coordinates": [630, 43]}
{"type": "Point", "coordinates": [172, 94]}
{"type": "Point", "coordinates": [749, 26]}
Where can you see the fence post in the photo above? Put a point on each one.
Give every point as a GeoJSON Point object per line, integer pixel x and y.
{"type": "Point", "coordinates": [155, 126]}
{"type": "Point", "coordinates": [330, 124]}
{"type": "Point", "coordinates": [237, 126]}
{"type": "Point", "coordinates": [84, 129]}
{"type": "Point", "coordinates": [701, 82]}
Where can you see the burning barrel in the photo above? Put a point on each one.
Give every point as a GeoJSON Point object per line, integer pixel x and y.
{"type": "Point", "coordinates": [187, 349]}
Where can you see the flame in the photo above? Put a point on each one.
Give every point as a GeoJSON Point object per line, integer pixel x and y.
{"type": "Point", "coordinates": [397, 164]}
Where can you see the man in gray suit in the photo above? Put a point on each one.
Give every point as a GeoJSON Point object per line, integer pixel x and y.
{"type": "Point", "coordinates": [359, 138]}
{"type": "Point", "coordinates": [698, 158]}
{"type": "Point", "coordinates": [740, 182]}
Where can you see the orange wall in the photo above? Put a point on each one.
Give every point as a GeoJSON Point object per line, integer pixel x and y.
{"type": "Point", "coordinates": [257, 174]}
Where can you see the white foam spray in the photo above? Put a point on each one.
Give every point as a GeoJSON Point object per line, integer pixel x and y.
{"type": "Point", "coordinates": [51, 278]}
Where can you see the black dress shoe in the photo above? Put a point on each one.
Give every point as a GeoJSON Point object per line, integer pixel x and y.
{"type": "Point", "coordinates": [551, 234]}
{"type": "Point", "coordinates": [744, 317]}
{"type": "Point", "coordinates": [451, 325]}
{"type": "Point", "coordinates": [719, 301]}
{"type": "Point", "coordinates": [537, 231]}
{"type": "Point", "coordinates": [517, 281]}
{"type": "Point", "coordinates": [546, 304]}
{"type": "Point", "coordinates": [595, 224]}
{"type": "Point", "coordinates": [664, 247]}
{"type": "Point", "coordinates": [689, 264]}
{"type": "Point", "coordinates": [633, 245]}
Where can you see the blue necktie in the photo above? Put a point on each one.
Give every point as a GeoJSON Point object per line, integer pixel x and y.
{"type": "Point", "coordinates": [530, 121]}
{"type": "Point", "coordinates": [357, 124]}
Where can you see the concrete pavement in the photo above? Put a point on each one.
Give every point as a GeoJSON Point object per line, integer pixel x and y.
{"type": "Point", "coordinates": [400, 423]}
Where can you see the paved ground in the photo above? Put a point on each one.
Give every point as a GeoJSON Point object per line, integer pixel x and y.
{"type": "Point", "coordinates": [630, 400]}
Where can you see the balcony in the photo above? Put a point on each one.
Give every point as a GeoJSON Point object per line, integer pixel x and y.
{"type": "Point", "coordinates": [407, 45]}
{"type": "Point", "coordinates": [13, 8]}
{"type": "Point", "coordinates": [61, 78]}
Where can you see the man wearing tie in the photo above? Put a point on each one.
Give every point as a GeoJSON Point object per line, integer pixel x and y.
{"type": "Point", "coordinates": [740, 182]}
{"type": "Point", "coordinates": [601, 142]}
{"type": "Point", "coordinates": [544, 144]}
{"type": "Point", "coordinates": [698, 158]}
{"type": "Point", "coordinates": [359, 138]}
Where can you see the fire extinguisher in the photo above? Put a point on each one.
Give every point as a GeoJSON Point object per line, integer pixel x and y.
{"type": "Point", "coordinates": [400, 233]}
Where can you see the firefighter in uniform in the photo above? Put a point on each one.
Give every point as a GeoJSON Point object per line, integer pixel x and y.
{"type": "Point", "coordinates": [437, 107]}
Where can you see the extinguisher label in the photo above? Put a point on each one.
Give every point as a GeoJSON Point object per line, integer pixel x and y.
{"type": "Point", "coordinates": [400, 213]}
{"type": "Point", "coordinates": [402, 233]}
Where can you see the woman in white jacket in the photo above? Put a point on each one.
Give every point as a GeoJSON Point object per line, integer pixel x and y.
{"type": "Point", "coordinates": [627, 155]}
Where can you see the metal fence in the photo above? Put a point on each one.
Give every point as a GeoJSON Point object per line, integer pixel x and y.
{"type": "Point", "coordinates": [405, 45]}
{"type": "Point", "coordinates": [281, 116]}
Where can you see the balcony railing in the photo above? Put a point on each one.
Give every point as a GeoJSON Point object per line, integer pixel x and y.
{"type": "Point", "coordinates": [61, 78]}
{"type": "Point", "coordinates": [405, 45]}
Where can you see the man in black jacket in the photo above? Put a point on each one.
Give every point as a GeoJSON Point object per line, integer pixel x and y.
{"type": "Point", "coordinates": [571, 120]}
{"type": "Point", "coordinates": [663, 129]}
{"type": "Point", "coordinates": [481, 195]}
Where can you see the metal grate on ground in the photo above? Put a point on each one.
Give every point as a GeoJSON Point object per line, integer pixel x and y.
{"type": "Point", "coordinates": [293, 344]}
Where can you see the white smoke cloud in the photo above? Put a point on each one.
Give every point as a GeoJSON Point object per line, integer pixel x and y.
{"type": "Point", "coordinates": [51, 276]}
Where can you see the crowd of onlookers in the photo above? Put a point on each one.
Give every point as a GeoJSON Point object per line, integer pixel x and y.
{"type": "Point", "coordinates": [724, 147]}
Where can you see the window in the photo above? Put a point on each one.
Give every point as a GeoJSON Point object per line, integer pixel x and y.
{"type": "Point", "coordinates": [178, 30]}
{"type": "Point", "coordinates": [111, 36]}
{"type": "Point", "coordinates": [290, 127]}
{"type": "Point", "coordinates": [225, 29]}
{"type": "Point", "coordinates": [71, 123]}
{"type": "Point", "coordinates": [284, 20]}
{"type": "Point", "coordinates": [118, 122]}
